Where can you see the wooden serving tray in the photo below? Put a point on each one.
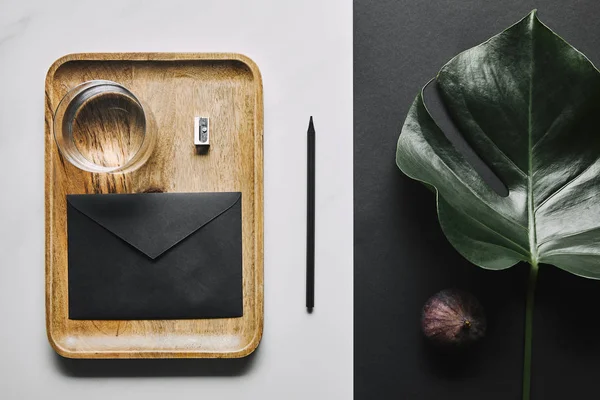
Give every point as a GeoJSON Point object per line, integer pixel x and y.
{"type": "Point", "coordinates": [173, 88]}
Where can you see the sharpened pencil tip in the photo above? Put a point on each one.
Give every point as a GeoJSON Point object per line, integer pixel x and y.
{"type": "Point", "coordinates": [311, 127]}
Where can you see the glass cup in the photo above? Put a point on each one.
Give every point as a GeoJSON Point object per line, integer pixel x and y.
{"type": "Point", "coordinates": [100, 126]}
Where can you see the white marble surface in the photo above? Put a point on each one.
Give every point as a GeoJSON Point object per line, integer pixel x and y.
{"type": "Point", "coordinates": [304, 50]}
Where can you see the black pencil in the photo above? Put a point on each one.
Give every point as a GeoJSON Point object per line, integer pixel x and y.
{"type": "Point", "coordinates": [310, 219]}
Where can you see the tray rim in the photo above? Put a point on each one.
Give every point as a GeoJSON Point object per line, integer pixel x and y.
{"type": "Point", "coordinates": [258, 206]}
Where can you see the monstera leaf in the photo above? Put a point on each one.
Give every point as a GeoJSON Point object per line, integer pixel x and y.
{"type": "Point", "coordinates": [528, 104]}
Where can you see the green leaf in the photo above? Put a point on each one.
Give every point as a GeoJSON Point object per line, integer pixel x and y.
{"type": "Point", "coordinates": [528, 104]}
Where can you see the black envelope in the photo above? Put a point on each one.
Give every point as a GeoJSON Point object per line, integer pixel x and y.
{"type": "Point", "coordinates": [155, 256]}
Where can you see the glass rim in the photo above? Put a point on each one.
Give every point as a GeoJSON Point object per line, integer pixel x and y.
{"type": "Point", "coordinates": [67, 109]}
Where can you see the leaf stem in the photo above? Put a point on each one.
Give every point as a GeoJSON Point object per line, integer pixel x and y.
{"type": "Point", "coordinates": [533, 274]}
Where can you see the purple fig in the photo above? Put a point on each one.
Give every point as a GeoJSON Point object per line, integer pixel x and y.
{"type": "Point", "coordinates": [453, 317]}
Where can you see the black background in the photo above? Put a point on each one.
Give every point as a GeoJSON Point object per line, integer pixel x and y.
{"type": "Point", "coordinates": [401, 255]}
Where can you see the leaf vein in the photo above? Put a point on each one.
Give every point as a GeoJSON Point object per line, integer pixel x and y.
{"type": "Point", "coordinates": [549, 128]}
{"type": "Point", "coordinates": [570, 235]}
{"type": "Point", "coordinates": [570, 253]}
{"type": "Point", "coordinates": [530, 202]}
{"type": "Point", "coordinates": [493, 231]}
{"type": "Point", "coordinates": [543, 203]}
{"type": "Point", "coordinates": [502, 153]}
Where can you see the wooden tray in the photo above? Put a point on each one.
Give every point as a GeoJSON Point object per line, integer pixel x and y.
{"type": "Point", "coordinates": [174, 88]}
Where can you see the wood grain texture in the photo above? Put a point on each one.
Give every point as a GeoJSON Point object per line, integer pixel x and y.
{"type": "Point", "coordinates": [173, 89]}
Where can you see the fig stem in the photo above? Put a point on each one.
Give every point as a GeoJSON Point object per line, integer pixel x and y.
{"type": "Point", "coordinates": [533, 274]}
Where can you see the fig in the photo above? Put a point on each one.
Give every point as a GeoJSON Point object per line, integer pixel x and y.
{"type": "Point", "coordinates": [453, 317]}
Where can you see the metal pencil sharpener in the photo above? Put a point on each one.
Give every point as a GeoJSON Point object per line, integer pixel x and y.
{"type": "Point", "coordinates": [201, 131]}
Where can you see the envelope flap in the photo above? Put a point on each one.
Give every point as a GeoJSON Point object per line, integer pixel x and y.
{"type": "Point", "coordinates": [154, 222]}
